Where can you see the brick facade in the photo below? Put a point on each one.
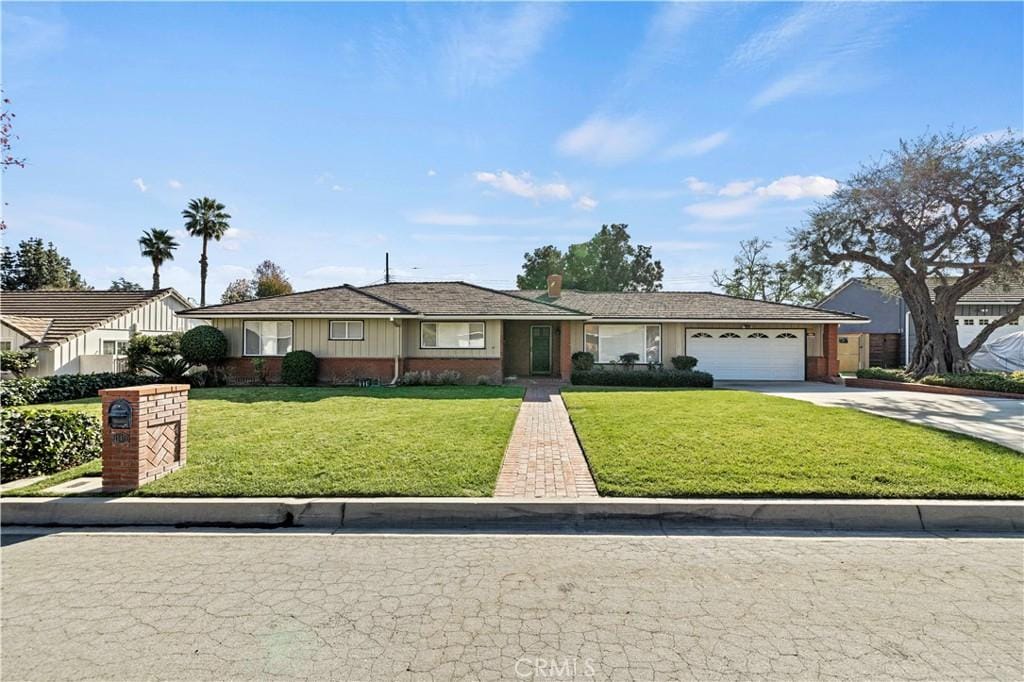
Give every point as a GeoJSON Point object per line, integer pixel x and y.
{"type": "Point", "coordinates": [341, 371]}
{"type": "Point", "coordinates": [469, 368]}
{"type": "Point", "coordinates": [826, 367]}
{"type": "Point", "coordinates": [156, 441]}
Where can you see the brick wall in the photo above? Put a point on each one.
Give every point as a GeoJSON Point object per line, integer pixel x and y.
{"type": "Point", "coordinates": [826, 366]}
{"type": "Point", "coordinates": [330, 370]}
{"type": "Point", "coordinates": [155, 443]}
{"type": "Point", "coordinates": [469, 368]}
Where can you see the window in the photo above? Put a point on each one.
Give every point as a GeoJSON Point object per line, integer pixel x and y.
{"type": "Point", "coordinates": [609, 342]}
{"type": "Point", "coordinates": [268, 337]}
{"type": "Point", "coordinates": [113, 347]}
{"type": "Point", "coordinates": [5, 345]}
{"type": "Point", "coordinates": [346, 330]}
{"type": "Point", "coordinates": [728, 335]}
{"type": "Point", "coordinates": [787, 335]}
{"type": "Point", "coordinates": [757, 335]}
{"type": "Point", "coordinates": [701, 335]}
{"type": "Point", "coordinates": [843, 339]}
{"type": "Point", "coordinates": [968, 322]}
{"type": "Point", "coordinates": [983, 322]}
{"type": "Point", "coordinates": [452, 335]}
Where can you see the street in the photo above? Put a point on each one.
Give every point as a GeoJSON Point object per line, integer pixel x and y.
{"type": "Point", "coordinates": [293, 605]}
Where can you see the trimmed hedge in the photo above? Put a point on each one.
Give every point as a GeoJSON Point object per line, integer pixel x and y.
{"type": "Point", "coordinates": [583, 360]}
{"type": "Point", "coordinates": [979, 381]}
{"type": "Point", "coordinates": [204, 345]}
{"type": "Point", "coordinates": [684, 363]}
{"type": "Point", "coordinates": [43, 442]}
{"type": "Point", "coordinates": [60, 387]}
{"type": "Point", "coordinates": [299, 368]}
{"type": "Point", "coordinates": [662, 378]}
{"type": "Point", "coordinates": [883, 374]}
{"type": "Point", "coordinates": [18, 362]}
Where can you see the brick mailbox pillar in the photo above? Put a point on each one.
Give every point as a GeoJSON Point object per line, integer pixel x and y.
{"type": "Point", "coordinates": [144, 433]}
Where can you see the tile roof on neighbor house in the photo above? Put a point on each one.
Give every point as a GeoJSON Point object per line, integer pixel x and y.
{"type": "Point", "coordinates": [342, 300]}
{"type": "Point", "coordinates": [986, 292]}
{"type": "Point", "coordinates": [67, 314]}
{"type": "Point", "coordinates": [685, 305]}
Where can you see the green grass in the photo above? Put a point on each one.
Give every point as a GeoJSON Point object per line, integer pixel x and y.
{"type": "Point", "coordinates": [675, 443]}
{"type": "Point", "coordinates": [268, 441]}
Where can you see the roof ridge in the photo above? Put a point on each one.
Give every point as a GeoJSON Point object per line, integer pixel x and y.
{"type": "Point", "coordinates": [269, 298]}
{"type": "Point", "coordinates": [505, 293]}
{"type": "Point", "coordinates": [380, 299]}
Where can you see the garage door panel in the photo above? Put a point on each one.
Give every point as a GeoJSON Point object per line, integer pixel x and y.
{"type": "Point", "coordinates": [748, 354]}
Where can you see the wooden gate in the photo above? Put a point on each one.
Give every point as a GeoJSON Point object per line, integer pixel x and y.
{"type": "Point", "coordinates": [853, 352]}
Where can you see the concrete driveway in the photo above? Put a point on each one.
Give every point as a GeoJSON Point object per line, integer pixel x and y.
{"type": "Point", "coordinates": [1000, 420]}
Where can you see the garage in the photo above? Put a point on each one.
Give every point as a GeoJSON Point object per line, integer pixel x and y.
{"type": "Point", "coordinates": [748, 354]}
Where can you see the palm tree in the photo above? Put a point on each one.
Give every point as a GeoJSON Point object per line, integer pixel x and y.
{"type": "Point", "coordinates": [158, 246]}
{"type": "Point", "coordinates": [205, 218]}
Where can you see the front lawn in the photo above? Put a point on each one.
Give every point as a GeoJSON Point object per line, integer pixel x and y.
{"type": "Point", "coordinates": [270, 441]}
{"type": "Point", "coordinates": [674, 443]}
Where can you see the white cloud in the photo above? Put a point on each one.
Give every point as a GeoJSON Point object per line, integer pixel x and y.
{"type": "Point", "coordinates": [460, 237]}
{"type": "Point", "coordinates": [455, 219]}
{"type": "Point", "coordinates": [699, 146]}
{"type": "Point", "coordinates": [737, 188]}
{"type": "Point", "coordinates": [338, 188]}
{"type": "Point", "coordinates": [769, 42]}
{"type": "Point", "coordinates": [698, 186]}
{"type": "Point", "coordinates": [992, 136]}
{"type": "Point", "coordinates": [523, 185]}
{"type": "Point", "coordinates": [796, 83]}
{"type": "Point", "coordinates": [585, 203]}
{"type": "Point", "coordinates": [745, 199]}
{"type": "Point", "coordinates": [25, 36]}
{"type": "Point", "coordinates": [140, 184]}
{"type": "Point", "coordinates": [794, 187]}
{"type": "Point", "coordinates": [431, 173]}
{"type": "Point", "coordinates": [174, 184]}
{"type": "Point", "coordinates": [608, 141]}
{"type": "Point", "coordinates": [663, 41]}
{"type": "Point", "coordinates": [491, 43]}
{"type": "Point", "coordinates": [675, 246]}
{"type": "Point", "coordinates": [232, 239]}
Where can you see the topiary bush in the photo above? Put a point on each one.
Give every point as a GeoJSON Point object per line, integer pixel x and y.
{"type": "Point", "coordinates": [204, 345]}
{"type": "Point", "coordinates": [684, 362]}
{"type": "Point", "coordinates": [41, 442]}
{"type": "Point", "coordinates": [883, 374]}
{"type": "Point", "coordinates": [666, 378]}
{"type": "Point", "coordinates": [299, 368]}
{"type": "Point", "coordinates": [581, 359]}
{"type": "Point", "coordinates": [628, 360]}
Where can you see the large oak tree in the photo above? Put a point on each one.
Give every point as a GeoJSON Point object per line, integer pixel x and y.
{"type": "Point", "coordinates": [940, 215]}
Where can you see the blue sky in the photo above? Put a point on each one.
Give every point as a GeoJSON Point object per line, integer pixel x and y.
{"type": "Point", "coordinates": [459, 136]}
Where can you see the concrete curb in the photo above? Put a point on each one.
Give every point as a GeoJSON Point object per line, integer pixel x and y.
{"type": "Point", "coordinates": [509, 514]}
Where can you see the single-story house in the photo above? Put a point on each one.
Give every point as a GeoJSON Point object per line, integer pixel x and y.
{"type": "Point", "coordinates": [891, 335]}
{"type": "Point", "coordinates": [382, 331]}
{"type": "Point", "coordinates": [84, 332]}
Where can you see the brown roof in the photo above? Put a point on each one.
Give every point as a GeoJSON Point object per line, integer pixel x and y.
{"type": "Point", "coordinates": [32, 327]}
{"type": "Point", "coordinates": [343, 300]}
{"type": "Point", "coordinates": [990, 291]}
{"type": "Point", "coordinates": [70, 313]}
{"type": "Point", "coordinates": [685, 305]}
{"type": "Point", "coordinates": [462, 298]}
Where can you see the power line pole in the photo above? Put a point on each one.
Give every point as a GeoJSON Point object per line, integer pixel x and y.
{"type": "Point", "coordinates": [387, 268]}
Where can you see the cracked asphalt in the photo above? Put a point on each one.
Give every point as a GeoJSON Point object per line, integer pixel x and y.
{"type": "Point", "coordinates": [280, 605]}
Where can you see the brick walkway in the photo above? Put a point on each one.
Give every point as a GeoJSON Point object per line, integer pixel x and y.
{"type": "Point", "coordinates": [543, 458]}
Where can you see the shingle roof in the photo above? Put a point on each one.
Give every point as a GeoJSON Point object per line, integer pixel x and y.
{"type": "Point", "coordinates": [343, 300]}
{"type": "Point", "coordinates": [70, 312]}
{"type": "Point", "coordinates": [462, 298]}
{"type": "Point", "coordinates": [684, 305]}
{"type": "Point", "coordinates": [986, 292]}
{"type": "Point", "coordinates": [32, 327]}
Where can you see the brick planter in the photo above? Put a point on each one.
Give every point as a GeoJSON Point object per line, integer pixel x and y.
{"type": "Point", "coordinates": [927, 388]}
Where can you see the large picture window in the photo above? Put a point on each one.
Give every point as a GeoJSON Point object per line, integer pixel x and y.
{"type": "Point", "coordinates": [609, 342]}
{"type": "Point", "coordinates": [451, 335]}
{"type": "Point", "coordinates": [346, 330]}
{"type": "Point", "coordinates": [268, 337]}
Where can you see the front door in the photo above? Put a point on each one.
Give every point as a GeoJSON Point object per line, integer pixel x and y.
{"type": "Point", "coordinates": [540, 349]}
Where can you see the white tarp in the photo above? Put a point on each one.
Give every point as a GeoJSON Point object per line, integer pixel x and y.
{"type": "Point", "coordinates": [1004, 354]}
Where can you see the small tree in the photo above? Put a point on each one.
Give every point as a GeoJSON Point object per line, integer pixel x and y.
{"type": "Point", "coordinates": [204, 345]}
{"type": "Point", "coordinates": [122, 284]}
{"type": "Point", "coordinates": [158, 246]}
{"type": "Point", "coordinates": [940, 215]}
{"type": "Point", "coordinates": [269, 280]}
{"type": "Point", "coordinates": [35, 266]}
{"type": "Point", "coordinates": [783, 281]}
{"type": "Point", "coordinates": [238, 291]}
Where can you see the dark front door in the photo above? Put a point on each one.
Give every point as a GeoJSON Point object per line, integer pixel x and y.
{"type": "Point", "coordinates": [540, 349]}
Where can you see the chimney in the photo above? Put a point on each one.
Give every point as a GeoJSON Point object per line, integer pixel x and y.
{"type": "Point", "coordinates": [554, 286]}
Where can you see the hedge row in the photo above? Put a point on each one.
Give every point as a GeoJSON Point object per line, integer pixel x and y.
{"type": "Point", "coordinates": [665, 378]}
{"type": "Point", "coordinates": [43, 442]}
{"type": "Point", "coordinates": [34, 390]}
{"type": "Point", "coordinates": [883, 374]}
{"type": "Point", "coordinates": [979, 381]}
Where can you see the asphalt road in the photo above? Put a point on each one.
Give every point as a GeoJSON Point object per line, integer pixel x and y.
{"type": "Point", "coordinates": [276, 605]}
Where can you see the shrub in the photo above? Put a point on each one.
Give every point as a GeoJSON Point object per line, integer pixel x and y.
{"type": "Point", "coordinates": [40, 442]}
{"type": "Point", "coordinates": [581, 359]}
{"type": "Point", "coordinates": [208, 378]}
{"type": "Point", "coordinates": [663, 378]}
{"type": "Point", "coordinates": [448, 377]}
{"type": "Point", "coordinates": [629, 359]}
{"type": "Point", "coordinates": [299, 368]}
{"type": "Point", "coordinates": [483, 380]}
{"type": "Point", "coordinates": [20, 391]}
{"type": "Point", "coordinates": [883, 374]}
{"type": "Point", "coordinates": [411, 379]}
{"type": "Point", "coordinates": [204, 345]}
{"type": "Point", "coordinates": [979, 381]}
{"type": "Point", "coordinates": [167, 368]}
{"type": "Point", "coordinates": [17, 362]}
{"type": "Point", "coordinates": [60, 387]}
{"type": "Point", "coordinates": [143, 349]}
{"type": "Point", "coordinates": [684, 362]}
{"type": "Point", "coordinates": [259, 369]}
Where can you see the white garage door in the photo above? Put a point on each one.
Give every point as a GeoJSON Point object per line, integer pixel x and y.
{"type": "Point", "coordinates": [748, 354]}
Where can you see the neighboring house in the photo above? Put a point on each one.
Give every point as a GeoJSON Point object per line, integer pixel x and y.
{"type": "Point", "coordinates": [891, 329]}
{"type": "Point", "coordinates": [382, 331]}
{"type": "Point", "coordinates": [84, 332]}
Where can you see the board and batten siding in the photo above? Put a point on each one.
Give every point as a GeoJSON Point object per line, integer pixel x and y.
{"type": "Point", "coordinates": [156, 317]}
{"type": "Point", "coordinates": [380, 338]}
{"type": "Point", "coordinates": [491, 349]}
